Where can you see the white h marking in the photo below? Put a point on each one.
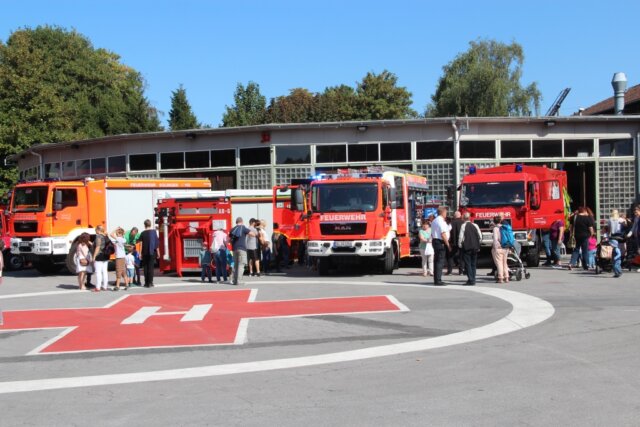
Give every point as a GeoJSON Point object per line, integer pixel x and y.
{"type": "Point", "coordinates": [194, 314]}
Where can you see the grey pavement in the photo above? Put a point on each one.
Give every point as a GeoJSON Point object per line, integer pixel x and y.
{"type": "Point", "coordinates": [580, 367]}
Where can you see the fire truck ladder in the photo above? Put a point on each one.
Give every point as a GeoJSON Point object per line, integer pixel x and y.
{"type": "Point", "coordinates": [555, 107]}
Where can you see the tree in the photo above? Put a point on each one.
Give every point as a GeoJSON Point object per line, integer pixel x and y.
{"type": "Point", "coordinates": [181, 116]}
{"type": "Point", "coordinates": [55, 86]}
{"type": "Point", "coordinates": [485, 81]}
{"type": "Point", "coordinates": [336, 104]}
{"type": "Point", "coordinates": [249, 107]}
{"type": "Point", "coordinates": [379, 98]}
{"type": "Point", "coordinates": [300, 106]}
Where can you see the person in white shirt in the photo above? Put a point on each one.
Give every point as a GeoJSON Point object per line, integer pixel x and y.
{"type": "Point", "coordinates": [440, 241]}
{"type": "Point", "coordinates": [130, 263]}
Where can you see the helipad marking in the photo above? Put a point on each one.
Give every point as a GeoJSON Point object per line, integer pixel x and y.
{"type": "Point", "coordinates": [527, 311]}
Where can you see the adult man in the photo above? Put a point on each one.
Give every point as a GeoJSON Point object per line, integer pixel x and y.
{"type": "Point", "coordinates": [132, 236]}
{"type": "Point", "coordinates": [469, 244]}
{"type": "Point", "coordinates": [149, 253]}
{"type": "Point", "coordinates": [456, 224]}
{"type": "Point", "coordinates": [238, 236]}
{"type": "Point", "coordinates": [440, 239]}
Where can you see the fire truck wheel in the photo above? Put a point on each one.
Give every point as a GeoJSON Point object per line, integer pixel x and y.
{"type": "Point", "coordinates": [533, 257]}
{"type": "Point", "coordinates": [13, 262]}
{"type": "Point", "coordinates": [71, 266]}
{"type": "Point", "coordinates": [323, 266]}
{"type": "Point", "coordinates": [388, 261]}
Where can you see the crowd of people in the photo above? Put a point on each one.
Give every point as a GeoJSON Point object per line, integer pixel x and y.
{"type": "Point", "coordinates": [135, 253]}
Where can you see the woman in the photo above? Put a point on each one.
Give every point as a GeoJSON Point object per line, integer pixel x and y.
{"type": "Point", "coordinates": [83, 259]}
{"type": "Point", "coordinates": [265, 246]}
{"type": "Point", "coordinates": [100, 260]}
{"type": "Point", "coordinates": [499, 253]}
{"type": "Point", "coordinates": [426, 249]}
{"type": "Point", "coordinates": [584, 227]}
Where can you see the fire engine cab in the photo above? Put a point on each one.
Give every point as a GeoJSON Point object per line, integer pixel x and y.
{"type": "Point", "coordinates": [531, 198]}
{"type": "Point", "coordinates": [369, 215]}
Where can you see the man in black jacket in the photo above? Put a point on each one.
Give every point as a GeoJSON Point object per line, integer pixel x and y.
{"type": "Point", "coordinates": [149, 253]}
{"type": "Point", "coordinates": [469, 239]}
{"type": "Point", "coordinates": [456, 224]}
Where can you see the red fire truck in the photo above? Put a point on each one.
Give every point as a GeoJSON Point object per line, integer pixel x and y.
{"type": "Point", "coordinates": [531, 198]}
{"type": "Point", "coordinates": [369, 215]}
{"type": "Point", "coordinates": [186, 222]}
{"type": "Point", "coordinates": [11, 261]}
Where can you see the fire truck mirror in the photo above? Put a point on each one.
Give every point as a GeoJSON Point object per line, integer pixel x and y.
{"type": "Point", "coordinates": [57, 200]}
{"type": "Point", "coordinates": [297, 200]}
{"type": "Point", "coordinates": [534, 195]}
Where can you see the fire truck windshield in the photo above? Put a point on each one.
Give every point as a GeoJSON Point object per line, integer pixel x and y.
{"type": "Point", "coordinates": [29, 199]}
{"type": "Point", "coordinates": [344, 197]}
{"type": "Point", "coordinates": [492, 194]}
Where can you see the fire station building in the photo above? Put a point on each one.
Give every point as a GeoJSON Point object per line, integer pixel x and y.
{"type": "Point", "coordinates": [599, 153]}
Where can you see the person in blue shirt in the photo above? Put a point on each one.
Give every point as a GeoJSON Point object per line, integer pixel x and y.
{"type": "Point", "coordinates": [238, 236]}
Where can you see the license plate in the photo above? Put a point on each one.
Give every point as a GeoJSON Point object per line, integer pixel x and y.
{"type": "Point", "coordinates": [343, 244]}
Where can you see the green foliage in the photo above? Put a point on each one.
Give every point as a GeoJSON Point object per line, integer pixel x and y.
{"type": "Point", "coordinates": [55, 86]}
{"type": "Point", "coordinates": [249, 108]}
{"type": "Point", "coordinates": [181, 116]}
{"type": "Point", "coordinates": [379, 98]}
{"type": "Point", "coordinates": [484, 81]}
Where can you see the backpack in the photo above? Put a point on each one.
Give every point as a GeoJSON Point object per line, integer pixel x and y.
{"type": "Point", "coordinates": [471, 240]}
{"type": "Point", "coordinates": [109, 248]}
{"type": "Point", "coordinates": [233, 237]}
{"type": "Point", "coordinates": [506, 236]}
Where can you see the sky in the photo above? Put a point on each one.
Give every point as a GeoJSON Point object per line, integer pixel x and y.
{"type": "Point", "coordinates": [211, 46]}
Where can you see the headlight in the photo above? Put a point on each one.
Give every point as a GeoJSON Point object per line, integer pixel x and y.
{"type": "Point", "coordinates": [43, 244]}
{"type": "Point", "coordinates": [58, 246]}
{"type": "Point", "coordinates": [313, 244]}
{"type": "Point", "coordinates": [376, 243]}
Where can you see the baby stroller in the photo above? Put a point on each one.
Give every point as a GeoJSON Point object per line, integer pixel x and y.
{"type": "Point", "coordinates": [517, 270]}
{"type": "Point", "coordinates": [604, 256]}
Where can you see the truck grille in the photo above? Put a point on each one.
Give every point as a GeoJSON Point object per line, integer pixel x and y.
{"type": "Point", "coordinates": [343, 228]}
{"type": "Point", "coordinates": [25, 226]}
{"type": "Point", "coordinates": [487, 223]}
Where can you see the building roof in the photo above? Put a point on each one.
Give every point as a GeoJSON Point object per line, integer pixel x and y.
{"type": "Point", "coordinates": [631, 104]}
{"type": "Point", "coordinates": [194, 133]}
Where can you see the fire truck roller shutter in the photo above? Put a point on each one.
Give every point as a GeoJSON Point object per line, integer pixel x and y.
{"type": "Point", "coordinates": [128, 208]}
{"type": "Point", "coordinates": [258, 210]}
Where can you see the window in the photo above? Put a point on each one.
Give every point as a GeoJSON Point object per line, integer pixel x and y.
{"type": "Point", "coordinates": [222, 158]}
{"type": "Point", "coordinates": [197, 159]}
{"type": "Point", "coordinates": [255, 156]}
{"type": "Point", "coordinates": [550, 190]}
{"type": "Point", "coordinates": [69, 197]}
{"type": "Point", "coordinates": [171, 161]}
{"type": "Point", "coordinates": [69, 168]}
{"type": "Point", "coordinates": [98, 166]}
{"type": "Point", "coordinates": [513, 149]}
{"type": "Point", "coordinates": [331, 153]}
{"type": "Point", "coordinates": [397, 151]}
{"type": "Point", "coordinates": [29, 199]}
{"type": "Point", "coordinates": [52, 170]}
{"type": "Point", "coordinates": [142, 162]}
{"type": "Point", "coordinates": [83, 167]}
{"type": "Point", "coordinates": [399, 192]}
{"type": "Point", "coordinates": [363, 153]}
{"type": "Point", "coordinates": [477, 149]}
{"type": "Point", "coordinates": [434, 150]}
{"type": "Point", "coordinates": [578, 147]}
{"type": "Point", "coordinates": [293, 154]}
{"type": "Point", "coordinates": [616, 147]}
{"type": "Point", "coordinates": [117, 164]}
{"type": "Point", "coordinates": [550, 148]}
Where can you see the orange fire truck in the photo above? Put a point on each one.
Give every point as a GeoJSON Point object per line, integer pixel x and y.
{"type": "Point", "coordinates": [46, 216]}
{"type": "Point", "coordinates": [370, 215]}
{"type": "Point", "coordinates": [531, 198]}
{"type": "Point", "coordinates": [187, 222]}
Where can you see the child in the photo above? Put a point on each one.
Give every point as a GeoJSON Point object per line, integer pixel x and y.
{"type": "Point", "coordinates": [136, 265]}
{"type": "Point", "coordinates": [593, 246]}
{"type": "Point", "coordinates": [117, 237]}
{"type": "Point", "coordinates": [130, 263]}
{"type": "Point", "coordinates": [205, 262]}
{"type": "Point", "coordinates": [617, 259]}
{"type": "Point", "coordinates": [230, 262]}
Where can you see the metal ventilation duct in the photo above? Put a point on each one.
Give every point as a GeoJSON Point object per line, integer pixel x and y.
{"type": "Point", "coordinates": [619, 83]}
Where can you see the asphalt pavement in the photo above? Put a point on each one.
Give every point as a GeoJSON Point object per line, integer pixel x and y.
{"type": "Point", "coordinates": [558, 349]}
